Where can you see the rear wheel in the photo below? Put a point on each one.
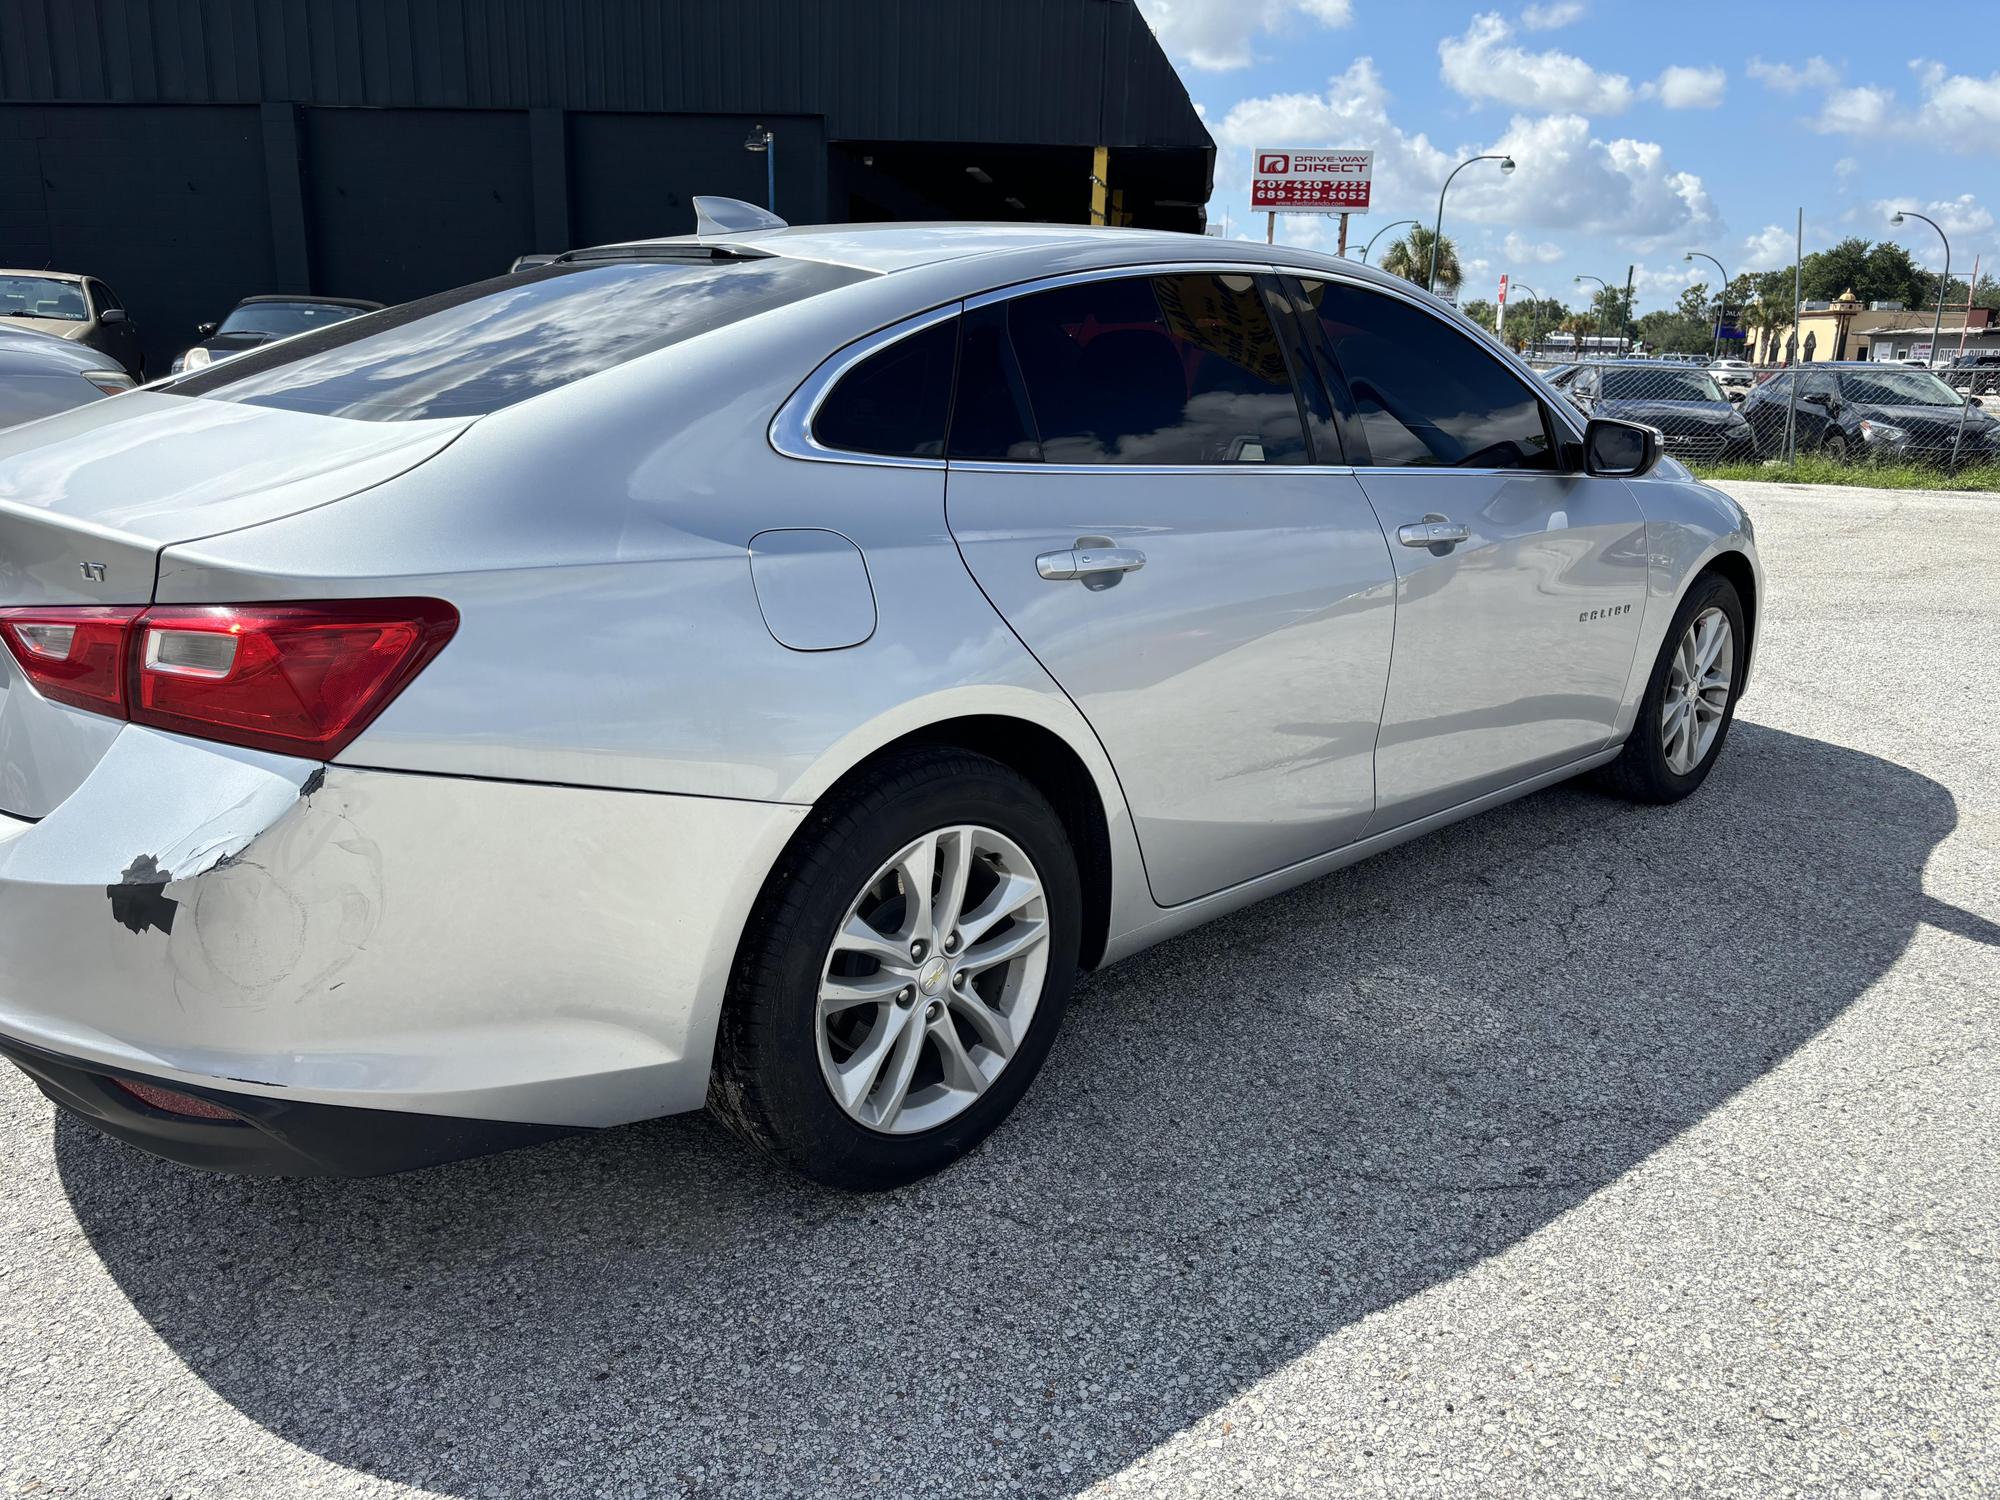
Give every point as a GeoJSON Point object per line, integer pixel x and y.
{"type": "Point", "coordinates": [904, 975]}
{"type": "Point", "coordinates": [1690, 698]}
{"type": "Point", "coordinates": [1835, 447]}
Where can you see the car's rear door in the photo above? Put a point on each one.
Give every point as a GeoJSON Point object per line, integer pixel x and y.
{"type": "Point", "coordinates": [1131, 484]}
{"type": "Point", "coordinates": [1519, 587]}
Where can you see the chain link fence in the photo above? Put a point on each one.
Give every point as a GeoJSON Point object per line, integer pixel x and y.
{"type": "Point", "coordinates": [1728, 414]}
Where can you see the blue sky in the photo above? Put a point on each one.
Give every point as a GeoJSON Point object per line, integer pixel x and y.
{"type": "Point", "coordinates": [1640, 129]}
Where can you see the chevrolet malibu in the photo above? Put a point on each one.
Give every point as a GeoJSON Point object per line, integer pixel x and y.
{"type": "Point", "coordinates": [760, 669]}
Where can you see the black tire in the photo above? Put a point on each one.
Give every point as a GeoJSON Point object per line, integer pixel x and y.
{"type": "Point", "coordinates": [766, 1084]}
{"type": "Point", "coordinates": [1641, 772]}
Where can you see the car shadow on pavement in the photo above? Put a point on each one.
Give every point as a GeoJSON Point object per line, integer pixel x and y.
{"type": "Point", "coordinates": [1246, 1140]}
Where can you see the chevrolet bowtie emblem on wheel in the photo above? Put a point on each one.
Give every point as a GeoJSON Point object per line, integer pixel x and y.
{"type": "Point", "coordinates": [94, 572]}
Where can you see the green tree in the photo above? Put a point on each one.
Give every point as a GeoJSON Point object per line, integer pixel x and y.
{"type": "Point", "coordinates": [1578, 326]}
{"type": "Point", "coordinates": [1881, 272]}
{"type": "Point", "coordinates": [1612, 308]}
{"type": "Point", "coordinates": [1410, 258]}
{"type": "Point", "coordinates": [1478, 312]}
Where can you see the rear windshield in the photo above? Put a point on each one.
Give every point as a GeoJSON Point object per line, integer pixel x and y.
{"type": "Point", "coordinates": [471, 351]}
{"type": "Point", "coordinates": [1660, 385]}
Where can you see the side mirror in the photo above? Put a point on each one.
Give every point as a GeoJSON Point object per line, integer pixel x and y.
{"type": "Point", "coordinates": [1737, 395]}
{"type": "Point", "coordinates": [1619, 450]}
{"type": "Point", "coordinates": [204, 330]}
{"type": "Point", "coordinates": [1817, 398]}
{"type": "Point", "coordinates": [112, 315]}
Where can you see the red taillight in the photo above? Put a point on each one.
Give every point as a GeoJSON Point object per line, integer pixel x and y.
{"type": "Point", "coordinates": [74, 656]}
{"type": "Point", "coordinates": [298, 679]}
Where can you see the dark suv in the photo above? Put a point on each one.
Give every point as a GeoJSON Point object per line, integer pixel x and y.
{"type": "Point", "coordinates": [1874, 411]}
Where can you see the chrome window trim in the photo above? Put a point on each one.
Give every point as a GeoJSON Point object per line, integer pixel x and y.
{"type": "Point", "coordinates": [1117, 273]}
{"type": "Point", "coordinates": [1001, 466]}
{"type": "Point", "coordinates": [791, 431]}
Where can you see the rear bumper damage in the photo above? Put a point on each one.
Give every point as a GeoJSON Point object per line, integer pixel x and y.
{"type": "Point", "coordinates": [276, 935]}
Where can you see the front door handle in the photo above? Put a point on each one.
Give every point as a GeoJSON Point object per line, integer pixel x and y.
{"type": "Point", "coordinates": [1433, 531]}
{"type": "Point", "coordinates": [1089, 562]}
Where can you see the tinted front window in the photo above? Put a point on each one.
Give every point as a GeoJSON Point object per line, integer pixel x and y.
{"type": "Point", "coordinates": [1660, 385]}
{"type": "Point", "coordinates": [1897, 388]}
{"type": "Point", "coordinates": [1424, 394]}
{"type": "Point", "coordinates": [281, 320]}
{"type": "Point", "coordinates": [41, 297]}
{"type": "Point", "coordinates": [482, 347]}
{"type": "Point", "coordinates": [895, 402]}
{"type": "Point", "coordinates": [1157, 370]}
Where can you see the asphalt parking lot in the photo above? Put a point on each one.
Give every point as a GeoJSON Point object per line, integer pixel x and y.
{"type": "Point", "coordinates": [1577, 1150]}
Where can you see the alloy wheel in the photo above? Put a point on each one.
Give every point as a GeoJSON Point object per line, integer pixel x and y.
{"type": "Point", "coordinates": [932, 979]}
{"type": "Point", "coordinates": [1697, 692]}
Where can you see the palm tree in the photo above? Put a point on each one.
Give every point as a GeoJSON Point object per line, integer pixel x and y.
{"type": "Point", "coordinates": [1410, 258]}
{"type": "Point", "coordinates": [1576, 325]}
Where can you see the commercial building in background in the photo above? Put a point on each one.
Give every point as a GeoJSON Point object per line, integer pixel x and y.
{"type": "Point", "coordinates": [192, 152]}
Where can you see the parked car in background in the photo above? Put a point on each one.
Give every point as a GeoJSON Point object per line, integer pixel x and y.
{"type": "Point", "coordinates": [41, 374]}
{"type": "Point", "coordinates": [1871, 410]}
{"type": "Point", "coordinates": [1698, 424]}
{"type": "Point", "coordinates": [1737, 377]}
{"type": "Point", "coordinates": [1975, 374]}
{"type": "Point", "coordinates": [762, 669]}
{"type": "Point", "coordinates": [76, 307]}
{"type": "Point", "coordinates": [258, 320]}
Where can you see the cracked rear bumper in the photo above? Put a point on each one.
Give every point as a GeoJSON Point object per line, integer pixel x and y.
{"type": "Point", "coordinates": [270, 1137]}
{"type": "Point", "coordinates": [379, 941]}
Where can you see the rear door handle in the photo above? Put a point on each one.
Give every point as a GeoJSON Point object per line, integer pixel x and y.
{"type": "Point", "coordinates": [1433, 533]}
{"type": "Point", "coordinates": [1089, 562]}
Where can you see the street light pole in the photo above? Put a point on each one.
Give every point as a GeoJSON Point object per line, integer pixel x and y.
{"type": "Point", "coordinates": [1382, 231]}
{"type": "Point", "coordinates": [1534, 312]}
{"type": "Point", "coordinates": [1944, 286]}
{"type": "Point", "coordinates": [1722, 302]}
{"type": "Point", "coordinates": [1437, 234]}
{"type": "Point", "coordinates": [1601, 282]}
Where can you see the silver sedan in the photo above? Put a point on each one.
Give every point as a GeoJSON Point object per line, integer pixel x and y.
{"type": "Point", "coordinates": [761, 669]}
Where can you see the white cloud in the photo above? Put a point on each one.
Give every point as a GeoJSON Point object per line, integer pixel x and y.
{"type": "Point", "coordinates": [1688, 88]}
{"type": "Point", "coordinates": [1958, 111]}
{"type": "Point", "coordinates": [1772, 246]}
{"type": "Point", "coordinates": [1481, 64]}
{"type": "Point", "coordinates": [1557, 13]}
{"type": "Point", "coordinates": [1813, 73]}
{"type": "Point", "coordinates": [1521, 251]}
{"type": "Point", "coordinates": [1649, 285]}
{"type": "Point", "coordinates": [1856, 111]}
{"type": "Point", "coordinates": [1566, 178]}
{"type": "Point", "coordinates": [1962, 215]}
{"type": "Point", "coordinates": [1218, 35]}
{"type": "Point", "coordinates": [1845, 170]}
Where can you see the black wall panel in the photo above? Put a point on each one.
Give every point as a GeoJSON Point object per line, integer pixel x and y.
{"type": "Point", "coordinates": [631, 176]}
{"type": "Point", "coordinates": [167, 203]}
{"type": "Point", "coordinates": [402, 203]}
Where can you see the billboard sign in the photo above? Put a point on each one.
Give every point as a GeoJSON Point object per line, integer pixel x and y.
{"type": "Point", "coordinates": [1311, 182]}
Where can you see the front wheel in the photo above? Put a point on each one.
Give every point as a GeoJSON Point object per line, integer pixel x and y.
{"type": "Point", "coordinates": [904, 975]}
{"type": "Point", "coordinates": [1690, 699]}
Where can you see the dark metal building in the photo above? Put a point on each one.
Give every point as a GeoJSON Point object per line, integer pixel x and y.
{"type": "Point", "coordinates": [192, 152]}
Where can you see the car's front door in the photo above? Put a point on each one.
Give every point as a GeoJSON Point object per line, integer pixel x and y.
{"type": "Point", "coordinates": [1519, 587]}
{"type": "Point", "coordinates": [115, 336]}
{"type": "Point", "coordinates": [1131, 485]}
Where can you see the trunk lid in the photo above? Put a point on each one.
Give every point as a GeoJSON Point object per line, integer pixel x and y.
{"type": "Point", "coordinates": [89, 499]}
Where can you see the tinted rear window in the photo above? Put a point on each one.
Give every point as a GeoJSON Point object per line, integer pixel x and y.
{"type": "Point", "coordinates": [897, 401]}
{"type": "Point", "coordinates": [479, 348]}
